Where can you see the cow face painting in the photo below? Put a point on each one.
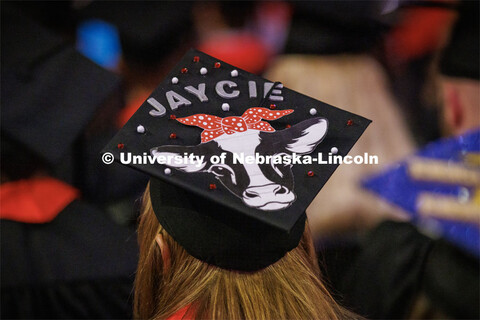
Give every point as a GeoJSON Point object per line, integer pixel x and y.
{"type": "Point", "coordinates": [265, 186]}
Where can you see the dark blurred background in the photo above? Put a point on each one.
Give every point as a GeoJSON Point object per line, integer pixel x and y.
{"type": "Point", "coordinates": [73, 72]}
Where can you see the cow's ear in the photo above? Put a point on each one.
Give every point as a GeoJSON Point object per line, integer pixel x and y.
{"type": "Point", "coordinates": [172, 158]}
{"type": "Point", "coordinates": [306, 135]}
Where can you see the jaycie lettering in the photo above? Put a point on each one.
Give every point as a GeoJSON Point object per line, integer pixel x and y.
{"type": "Point", "coordinates": [226, 89]}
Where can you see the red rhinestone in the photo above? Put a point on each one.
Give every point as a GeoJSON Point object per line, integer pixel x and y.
{"type": "Point", "coordinates": [310, 173]}
{"type": "Point", "coordinates": [184, 70]}
{"type": "Point", "coordinates": [173, 136]}
{"type": "Point", "coordinates": [173, 117]}
{"type": "Point", "coordinates": [120, 146]}
{"type": "Point", "coordinates": [196, 59]}
{"type": "Point", "coordinates": [212, 186]}
{"type": "Point", "coordinates": [273, 106]}
{"type": "Point", "coordinates": [350, 123]}
{"type": "Point", "coordinates": [217, 65]}
{"type": "Point", "coordinates": [288, 126]}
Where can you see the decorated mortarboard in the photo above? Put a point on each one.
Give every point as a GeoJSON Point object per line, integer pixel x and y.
{"type": "Point", "coordinates": [439, 187]}
{"type": "Point", "coordinates": [235, 159]}
{"type": "Point", "coordinates": [49, 91]}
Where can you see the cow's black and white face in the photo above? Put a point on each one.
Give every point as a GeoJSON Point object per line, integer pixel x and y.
{"type": "Point", "coordinates": [261, 186]}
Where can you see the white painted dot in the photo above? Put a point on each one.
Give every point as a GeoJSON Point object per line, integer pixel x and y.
{"type": "Point", "coordinates": [242, 129]}
{"type": "Point", "coordinates": [270, 114]}
{"type": "Point", "coordinates": [168, 171]}
{"type": "Point", "coordinates": [203, 70]}
{"type": "Point", "coordinates": [201, 117]}
{"type": "Point", "coordinates": [234, 73]}
{"type": "Point", "coordinates": [313, 111]}
{"type": "Point", "coordinates": [140, 129]}
{"type": "Point", "coordinates": [174, 80]}
{"type": "Point", "coordinates": [204, 123]}
{"type": "Point", "coordinates": [225, 107]}
{"type": "Point", "coordinates": [334, 150]}
{"type": "Point", "coordinates": [239, 124]}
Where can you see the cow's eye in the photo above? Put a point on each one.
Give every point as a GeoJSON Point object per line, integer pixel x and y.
{"type": "Point", "coordinates": [222, 171]}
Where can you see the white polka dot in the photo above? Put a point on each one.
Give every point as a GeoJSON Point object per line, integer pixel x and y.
{"type": "Point", "coordinates": [250, 112]}
{"type": "Point", "coordinates": [201, 117]}
{"type": "Point", "coordinates": [203, 70]}
{"type": "Point", "coordinates": [334, 150]}
{"type": "Point", "coordinates": [225, 107]}
{"type": "Point", "coordinates": [205, 123]}
{"type": "Point", "coordinates": [168, 171]}
{"type": "Point", "coordinates": [270, 114]}
{"type": "Point", "coordinates": [140, 129]}
{"type": "Point", "coordinates": [239, 124]}
{"type": "Point", "coordinates": [313, 111]}
{"type": "Point", "coordinates": [234, 73]}
{"type": "Point", "coordinates": [174, 80]}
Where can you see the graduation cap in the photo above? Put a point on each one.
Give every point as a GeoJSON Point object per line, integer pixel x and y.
{"type": "Point", "coordinates": [334, 27]}
{"type": "Point", "coordinates": [439, 187]}
{"type": "Point", "coordinates": [235, 159]}
{"type": "Point", "coordinates": [49, 91]}
{"type": "Point", "coordinates": [461, 56]}
{"type": "Point", "coordinates": [149, 30]}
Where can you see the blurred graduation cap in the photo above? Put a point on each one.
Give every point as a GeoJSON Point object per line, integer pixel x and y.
{"type": "Point", "coordinates": [148, 30]}
{"type": "Point", "coordinates": [439, 187]}
{"type": "Point", "coordinates": [461, 56]}
{"type": "Point", "coordinates": [198, 135]}
{"type": "Point", "coordinates": [49, 91]}
{"type": "Point", "coordinates": [333, 27]}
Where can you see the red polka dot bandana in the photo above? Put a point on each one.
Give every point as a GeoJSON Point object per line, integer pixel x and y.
{"type": "Point", "coordinates": [251, 119]}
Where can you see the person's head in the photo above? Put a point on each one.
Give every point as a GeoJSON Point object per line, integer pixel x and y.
{"type": "Point", "coordinates": [169, 278]}
{"type": "Point", "coordinates": [230, 241]}
{"type": "Point", "coordinates": [358, 84]}
{"type": "Point", "coordinates": [460, 75]}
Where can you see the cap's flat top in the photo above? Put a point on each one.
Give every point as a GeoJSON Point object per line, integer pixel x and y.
{"type": "Point", "coordinates": [187, 115]}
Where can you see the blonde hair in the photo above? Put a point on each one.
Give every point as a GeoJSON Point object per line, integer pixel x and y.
{"type": "Point", "coordinates": [288, 289]}
{"type": "Point", "coordinates": [355, 83]}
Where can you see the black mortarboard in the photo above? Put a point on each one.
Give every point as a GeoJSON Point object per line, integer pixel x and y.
{"type": "Point", "coordinates": [462, 55]}
{"type": "Point", "coordinates": [49, 91]}
{"type": "Point", "coordinates": [233, 215]}
{"type": "Point", "coordinates": [149, 30]}
{"type": "Point", "coordinates": [334, 27]}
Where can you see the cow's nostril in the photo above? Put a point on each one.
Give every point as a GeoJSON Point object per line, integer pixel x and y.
{"type": "Point", "coordinates": [250, 194]}
{"type": "Point", "coordinates": [280, 190]}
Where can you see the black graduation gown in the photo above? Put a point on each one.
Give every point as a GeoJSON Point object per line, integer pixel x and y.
{"type": "Point", "coordinates": [382, 276]}
{"type": "Point", "coordinates": [80, 265]}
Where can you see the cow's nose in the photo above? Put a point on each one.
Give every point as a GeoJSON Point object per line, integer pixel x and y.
{"type": "Point", "coordinates": [259, 191]}
{"type": "Point", "coordinates": [280, 190]}
{"type": "Point", "coordinates": [251, 194]}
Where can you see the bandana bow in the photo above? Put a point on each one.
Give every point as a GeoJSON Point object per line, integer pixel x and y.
{"type": "Point", "coordinates": [251, 119]}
